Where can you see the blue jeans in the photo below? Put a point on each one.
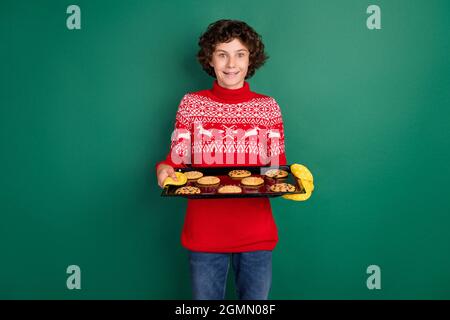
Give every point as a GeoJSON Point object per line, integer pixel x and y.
{"type": "Point", "coordinates": [252, 274]}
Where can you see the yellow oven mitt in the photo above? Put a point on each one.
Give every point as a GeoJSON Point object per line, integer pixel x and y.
{"type": "Point", "coordinates": [305, 178]}
{"type": "Point", "coordinates": [181, 180]}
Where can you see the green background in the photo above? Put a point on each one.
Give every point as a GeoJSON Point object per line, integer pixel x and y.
{"type": "Point", "coordinates": [85, 115]}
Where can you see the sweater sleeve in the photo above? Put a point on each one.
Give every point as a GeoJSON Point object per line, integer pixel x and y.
{"type": "Point", "coordinates": [180, 145]}
{"type": "Point", "coordinates": [276, 144]}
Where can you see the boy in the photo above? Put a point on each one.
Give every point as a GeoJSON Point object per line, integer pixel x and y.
{"type": "Point", "coordinates": [233, 123]}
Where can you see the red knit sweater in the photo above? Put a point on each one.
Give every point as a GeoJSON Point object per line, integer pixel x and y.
{"type": "Point", "coordinates": [227, 225]}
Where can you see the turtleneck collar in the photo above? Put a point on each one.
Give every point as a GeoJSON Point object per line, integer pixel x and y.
{"type": "Point", "coordinates": [232, 95]}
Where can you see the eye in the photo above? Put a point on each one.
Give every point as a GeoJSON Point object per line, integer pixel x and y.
{"type": "Point", "coordinates": [241, 55]}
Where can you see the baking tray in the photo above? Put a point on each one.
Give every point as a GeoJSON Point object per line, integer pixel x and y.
{"type": "Point", "coordinates": [208, 192]}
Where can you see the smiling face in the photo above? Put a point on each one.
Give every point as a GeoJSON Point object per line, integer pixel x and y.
{"type": "Point", "coordinates": [230, 61]}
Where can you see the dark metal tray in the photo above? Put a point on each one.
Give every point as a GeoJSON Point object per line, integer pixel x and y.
{"type": "Point", "coordinates": [247, 192]}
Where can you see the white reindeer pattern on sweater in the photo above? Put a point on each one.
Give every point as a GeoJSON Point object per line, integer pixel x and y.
{"type": "Point", "coordinates": [204, 126]}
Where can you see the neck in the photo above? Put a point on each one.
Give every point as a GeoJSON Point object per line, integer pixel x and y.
{"type": "Point", "coordinates": [232, 95]}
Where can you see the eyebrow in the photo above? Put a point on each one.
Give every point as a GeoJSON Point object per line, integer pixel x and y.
{"type": "Point", "coordinates": [236, 50]}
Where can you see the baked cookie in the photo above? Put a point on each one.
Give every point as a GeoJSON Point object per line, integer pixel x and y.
{"type": "Point", "coordinates": [193, 175]}
{"type": "Point", "coordinates": [239, 173]}
{"type": "Point", "coordinates": [187, 190]}
{"type": "Point", "coordinates": [208, 180]}
{"type": "Point", "coordinates": [282, 187]}
{"type": "Point", "coordinates": [252, 181]}
{"type": "Point", "coordinates": [230, 189]}
{"type": "Point", "coordinates": [276, 173]}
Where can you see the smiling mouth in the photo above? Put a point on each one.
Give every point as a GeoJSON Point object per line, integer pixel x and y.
{"type": "Point", "coordinates": [231, 73]}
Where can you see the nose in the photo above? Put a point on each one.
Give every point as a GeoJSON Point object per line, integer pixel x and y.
{"type": "Point", "coordinates": [231, 62]}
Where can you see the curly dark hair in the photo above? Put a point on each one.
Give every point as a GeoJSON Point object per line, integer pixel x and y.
{"type": "Point", "coordinates": [223, 31]}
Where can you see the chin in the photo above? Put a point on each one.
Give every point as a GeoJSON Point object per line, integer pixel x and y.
{"type": "Point", "coordinates": [229, 83]}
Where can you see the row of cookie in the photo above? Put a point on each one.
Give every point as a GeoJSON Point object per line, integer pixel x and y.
{"type": "Point", "coordinates": [213, 180]}
{"type": "Point", "coordinates": [279, 187]}
{"type": "Point", "coordinates": [272, 173]}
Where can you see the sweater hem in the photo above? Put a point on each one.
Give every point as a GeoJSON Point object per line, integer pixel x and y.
{"type": "Point", "coordinates": [266, 245]}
